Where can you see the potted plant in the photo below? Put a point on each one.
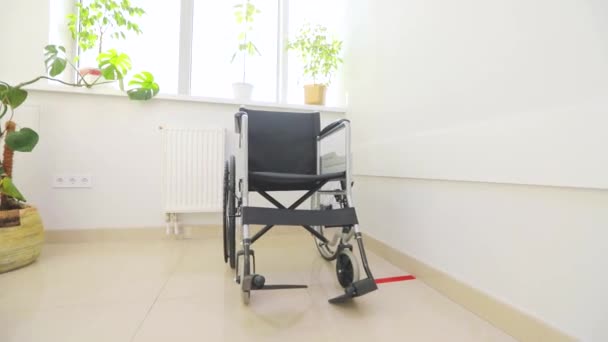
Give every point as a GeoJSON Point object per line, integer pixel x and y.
{"type": "Point", "coordinates": [21, 230]}
{"type": "Point", "coordinates": [244, 14]}
{"type": "Point", "coordinates": [93, 22]}
{"type": "Point", "coordinates": [320, 55]}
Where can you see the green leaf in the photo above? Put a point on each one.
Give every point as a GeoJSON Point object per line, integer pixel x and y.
{"type": "Point", "coordinates": [319, 52]}
{"type": "Point", "coordinates": [140, 94]}
{"type": "Point", "coordinates": [13, 97]}
{"type": "Point", "coordinates": [56, 60]}
{"type": "Point", "coordinates": [114, 65]}
{"type": "Point", "coordinates": [23, 140]}
{"type": "Point", "coordinates": [72, 24]}
{"type": "Point", "coordinates": [147, 87]}
{"type": "Point", "coordinates": [9, 189]}
{"type": "Point", "coordinates": [3, 105]}
{"type": "Point", "coordinates": [110, 16]}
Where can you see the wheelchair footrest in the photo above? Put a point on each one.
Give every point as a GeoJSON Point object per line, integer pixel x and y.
{"type": "Point", "coordinates": [255, 282]}
{"type": "Point", "coordinates": [289, 217]}
{"type": "Point", "coordinates": [356, 289]}
{"type": "Point", "coordinates": [283, 287]}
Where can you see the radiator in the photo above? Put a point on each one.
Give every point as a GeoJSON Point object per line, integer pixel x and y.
{"type": "Point", "coordinates": [193, 166]}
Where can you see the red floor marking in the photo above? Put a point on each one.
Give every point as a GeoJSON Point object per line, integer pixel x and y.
{"type": "Point", "coordinates": [394, 279]}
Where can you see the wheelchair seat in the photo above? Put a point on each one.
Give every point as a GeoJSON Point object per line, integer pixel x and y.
{"type": "Point", "coordinates": [269, 181]}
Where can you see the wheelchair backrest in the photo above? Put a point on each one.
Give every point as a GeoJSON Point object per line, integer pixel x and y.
{"type": "Point", "coordinates": [282, 141]}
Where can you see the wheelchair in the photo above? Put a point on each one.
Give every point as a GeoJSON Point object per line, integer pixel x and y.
{"type": "Point", "coordinates": [280, 151]}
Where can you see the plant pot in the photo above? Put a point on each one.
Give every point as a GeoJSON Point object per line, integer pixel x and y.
{"type": "Point", "coordinates": [242, 91]}
{"type": "Point", "coordinates": [21, 238]}
{"type": "Point", "coordinates": [314, 94]}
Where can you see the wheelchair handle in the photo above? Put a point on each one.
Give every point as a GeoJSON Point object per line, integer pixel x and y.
{"type": "Point", "coordinates": [332, 127]}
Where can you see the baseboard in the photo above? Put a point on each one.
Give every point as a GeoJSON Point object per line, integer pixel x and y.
{"type": "Point", "coordinates": [149, 233]}
{"type": "Point", "coordinates": [128, 234]}
{"type": "Point", "coordinates": [511, 320]}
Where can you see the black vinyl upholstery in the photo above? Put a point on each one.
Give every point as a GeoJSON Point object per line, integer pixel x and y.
{"type": "Point", "coordinates": [331, 126]}
{"type": "Point", "coordinates": [287, 217]}
{"type": "Point", "coordinates": [283, 150]}
{"type": "Point", "coordinates": [270, 181]}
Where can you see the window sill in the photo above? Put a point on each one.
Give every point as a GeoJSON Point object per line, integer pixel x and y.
{"type": "Point", "coordinates": [187, 98]}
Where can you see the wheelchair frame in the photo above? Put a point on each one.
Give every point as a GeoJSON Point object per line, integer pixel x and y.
{"type": "Point", "coordinates": [346, 264]}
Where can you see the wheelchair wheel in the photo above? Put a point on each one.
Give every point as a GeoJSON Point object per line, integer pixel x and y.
{"type": "Point", "coordinates": [347, 268]}
{"type": "Point", "coordinates": [225, 210]}
{"type": "Point", "coordinates": [229, 213]}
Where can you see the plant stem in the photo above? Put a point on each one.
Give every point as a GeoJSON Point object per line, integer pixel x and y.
{"type": "Point", "coordinates": [244, 65]}
{"type": "Point", "coordinates": [21, 85]}
{"type": "Point", "coordinates": [80, 78]}
{"type": "Point", "coordinates": [7, 161]}
{"type": "Point", "coordinates": [244, 57]}
{"type": "Point", "coordinates": [100, 38]}
{"type": "Point", "coordinates": [7, 157]}
{"type": "Point", "coordinates": [10, 119]}
{"type": "Point", "coordinates": [99, 83]}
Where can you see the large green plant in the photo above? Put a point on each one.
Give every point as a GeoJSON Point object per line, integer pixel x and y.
{"type": "Point", "coordinates": [319, 52]}
{"type": "Point", "coordinates": [102, 18]}
{"type": "Point", "coordinates": [25, 139]}
{"type": "Point", "coordinates": [244, 15]}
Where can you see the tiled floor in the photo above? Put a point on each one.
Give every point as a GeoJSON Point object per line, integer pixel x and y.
{"type": "Point", "coordinates": [180, 290]}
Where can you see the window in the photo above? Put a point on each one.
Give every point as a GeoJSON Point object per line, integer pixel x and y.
{"type": "Point", "coordinates": [212, 40]}
{"type": "Point", "coordinates": [156, 50]}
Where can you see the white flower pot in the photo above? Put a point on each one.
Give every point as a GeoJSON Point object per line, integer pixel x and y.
{"type": "Point", "coordinates": [242, 91]}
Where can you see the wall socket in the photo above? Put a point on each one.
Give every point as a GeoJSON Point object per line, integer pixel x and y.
{"type": "Point", "coordinates": [72, 181]}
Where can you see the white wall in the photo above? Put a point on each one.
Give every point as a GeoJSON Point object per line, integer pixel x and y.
{"type": "Point", "coordinates": [542, 250]}
{"type": "Point", "coordinates": [451, 98]}
{"type": "Point", "coordinates": [497, 91]}
{"type": "Point", "coordinates": [25, 29]}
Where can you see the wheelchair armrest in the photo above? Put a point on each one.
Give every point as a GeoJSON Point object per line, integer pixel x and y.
{"type": "Point", "coordinates": [237, 121]}
{"type": "Point", "coordinates": [333, 127]}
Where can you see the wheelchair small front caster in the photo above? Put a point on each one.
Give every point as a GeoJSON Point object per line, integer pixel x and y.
{"type": "Point", "coordinates": [347, 268]}
{"type": "Point", "coordinates": [250, 283]}
{"type": "Point", "coordinates": [257, 282]}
